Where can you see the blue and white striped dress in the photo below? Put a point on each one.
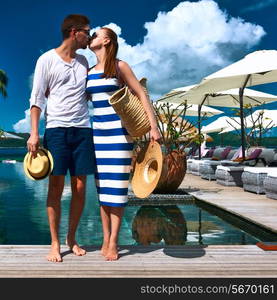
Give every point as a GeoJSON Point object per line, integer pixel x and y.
{"type": "Point", "coordinates": [113, 145]}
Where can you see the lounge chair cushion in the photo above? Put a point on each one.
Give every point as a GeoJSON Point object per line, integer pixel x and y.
{"type": "Point", "coordinates": [237, 154]}
{"type": "Point", "coordinates": [272, 172]}
{"type": "Point", "coordinates": [255, 153]}
{"type": "Point", "coordinates": [225, 152]}
{"type": "Point", "coordinates": [210, 152]}
{"type": "Point", "coordinates": [230, 154]}
{"type": "Point", "coordinates": [217, 153]}
{"type": "Point", "coordinates": [256, 170]}
{"type": "Point", "coordinates": [231, 168]}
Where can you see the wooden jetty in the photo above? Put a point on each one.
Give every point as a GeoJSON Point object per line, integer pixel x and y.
{"type": "Point", "coordinates": [141, 262]}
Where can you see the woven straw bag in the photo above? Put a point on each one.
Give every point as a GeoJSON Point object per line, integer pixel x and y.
{"type": "Point", "coordinates": [131, 111]}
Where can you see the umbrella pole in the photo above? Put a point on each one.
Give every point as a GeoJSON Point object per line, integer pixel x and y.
{"type": "Point", "coordinates": [199, 130]}
{"type": "Point", "coordinates": [199, 124]}
{"type": "Point", "coordinates": [242, 130]}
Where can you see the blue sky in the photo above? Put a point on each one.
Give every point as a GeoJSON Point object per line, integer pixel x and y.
{"type": "Point", "coordinates": [172, 43]}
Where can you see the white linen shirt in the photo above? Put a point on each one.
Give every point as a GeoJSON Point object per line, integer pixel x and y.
{"type": "Point", "coordinates": [65, 84]}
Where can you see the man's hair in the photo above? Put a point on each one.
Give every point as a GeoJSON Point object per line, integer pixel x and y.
{"type": "Point", "coordinates": [73, 21]}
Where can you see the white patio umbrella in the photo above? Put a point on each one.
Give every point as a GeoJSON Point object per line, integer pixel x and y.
{"type": "Point", "coordinates": [255, 68]}
{"type": "Point", "coordinates": [221, 124]}
{"type": "Point", "coordinates": [227, 98]}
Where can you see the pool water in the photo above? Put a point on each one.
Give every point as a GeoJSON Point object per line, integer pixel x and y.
{"type": "Point", "coordinates": [23, 218]}
{"type": "Point", "coordinates": [12, 153]}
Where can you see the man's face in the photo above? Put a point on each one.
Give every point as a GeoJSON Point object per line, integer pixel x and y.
{"type": "Point", "coordinates": [83, 37]}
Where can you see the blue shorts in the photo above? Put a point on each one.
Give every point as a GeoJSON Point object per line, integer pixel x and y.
{"type": "Point", "coordinates": [72, 149]}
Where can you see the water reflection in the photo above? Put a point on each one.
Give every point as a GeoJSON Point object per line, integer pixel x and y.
{"type": "Point", "coordinates": [153, 224]}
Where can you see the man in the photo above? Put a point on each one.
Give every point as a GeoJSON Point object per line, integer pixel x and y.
{"type": "Point", "coordinates": [60, 75]}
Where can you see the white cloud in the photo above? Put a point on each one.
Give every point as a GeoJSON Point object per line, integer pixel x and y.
{"type": "Point", "coordinates": [24, 125]}
{"type": "Point", "coordinates": [30, 81]}
{"type": "Point", "coordinates": [185, 44]}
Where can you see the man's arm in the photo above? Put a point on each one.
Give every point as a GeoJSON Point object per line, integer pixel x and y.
{"type": "Point", "coordinates": [33, 141]}
{"type": "Point", "coordinates": [37, 103]}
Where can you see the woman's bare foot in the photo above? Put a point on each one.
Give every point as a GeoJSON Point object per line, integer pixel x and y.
{"type": "Point", "coordinates": [112, 253]}
{"type": "Point", "coordinates": [104, 248]}
{"type": "Point", "coordinates": [54, 254]}
{"type": "Point", "coordinates": [75, 248]}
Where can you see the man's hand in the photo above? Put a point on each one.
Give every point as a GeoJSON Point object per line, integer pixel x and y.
{"type": "Point", "coordinates": [33, 144]}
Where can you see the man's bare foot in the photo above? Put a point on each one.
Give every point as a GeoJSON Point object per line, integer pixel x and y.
{"type": "Point", "coordinates": [54, 254]}
{"type": "Point", "coordinates": [112, 253]}
{"type": "Point", "coordinates": [104, 248]}
{"type": "Point", "coordinates": [75, 248]}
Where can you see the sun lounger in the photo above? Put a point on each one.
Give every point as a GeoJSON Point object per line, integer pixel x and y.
{"type": "Point", "coordinates": [270, 183]}
{"type": "Point", "coordinates": [253, 179]}
{"type": "Point", "coordinates": [193, 164]}
{"type": "Point", "coordinates": [229, 175]}
{"type": "Point", "coordinates": [207, 167]}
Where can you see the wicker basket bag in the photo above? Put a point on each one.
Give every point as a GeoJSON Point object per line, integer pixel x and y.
{"type": "Point", "coordinates": [131, 111]}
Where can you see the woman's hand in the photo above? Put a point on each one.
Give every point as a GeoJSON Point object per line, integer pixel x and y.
{"type": "Point", "coordinates": [155, 134]}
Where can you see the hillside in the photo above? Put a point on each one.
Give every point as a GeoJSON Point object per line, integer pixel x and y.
{"type": "Point", "coordinates": [227, 139]}
{"type": "Point", "coordinates": [231, 139]}
{"type": "Point", "coordinates": [8, 142]}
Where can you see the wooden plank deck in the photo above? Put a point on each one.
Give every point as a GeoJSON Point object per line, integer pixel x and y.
{"type": "Point", "coordinates": [255, 208]}
{"type": "Point", "coordinates": [141, 262]}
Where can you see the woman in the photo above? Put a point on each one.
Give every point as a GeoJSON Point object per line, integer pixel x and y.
{"type": "Point", "coordinates": [113, 145]}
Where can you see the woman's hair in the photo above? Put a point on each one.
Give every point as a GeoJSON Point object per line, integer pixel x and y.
{"type": "Point", "coordinates": [73, 21]}
{"type": "Point", "coordinates": [112, 48]}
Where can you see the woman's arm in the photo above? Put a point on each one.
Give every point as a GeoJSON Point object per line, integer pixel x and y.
{"type": "Point", "coordinates": [130, 79]}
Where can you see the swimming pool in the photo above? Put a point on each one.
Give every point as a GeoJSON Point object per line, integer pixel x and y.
{"type": "Point", "coordinates": [23, 218]}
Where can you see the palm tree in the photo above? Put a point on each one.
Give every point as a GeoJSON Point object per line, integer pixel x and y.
{"type": "Point", "coordinates": [3, 91]}
{"type": "Point", "coordinates": [3, 83]}
{"type": "Point", "coordinates": [2, 134]}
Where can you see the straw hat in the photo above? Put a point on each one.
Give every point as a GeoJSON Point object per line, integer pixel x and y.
{"type": "Point", "coordinates": [148, 169]}
{"type": "Point", "coordinates": [39, 167]}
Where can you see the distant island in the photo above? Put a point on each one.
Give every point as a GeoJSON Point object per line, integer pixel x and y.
{"type": "Point", "coordinates": [227, 139]}
{"type": "Point", "coordinates": [11, 143]}
{"type": "Point", "coordinates": [234, 140]}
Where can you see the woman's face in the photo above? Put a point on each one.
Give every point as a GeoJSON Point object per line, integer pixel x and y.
{"type": "Point", "coordinates": [98, 40]}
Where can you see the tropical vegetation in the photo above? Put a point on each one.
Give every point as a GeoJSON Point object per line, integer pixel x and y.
{"type": "Point", "coordinates": [260, 125]}
{"type": "Point", "coordinates": [3, 91]}
{"type": "Point", "coordinates": [3, 83]}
